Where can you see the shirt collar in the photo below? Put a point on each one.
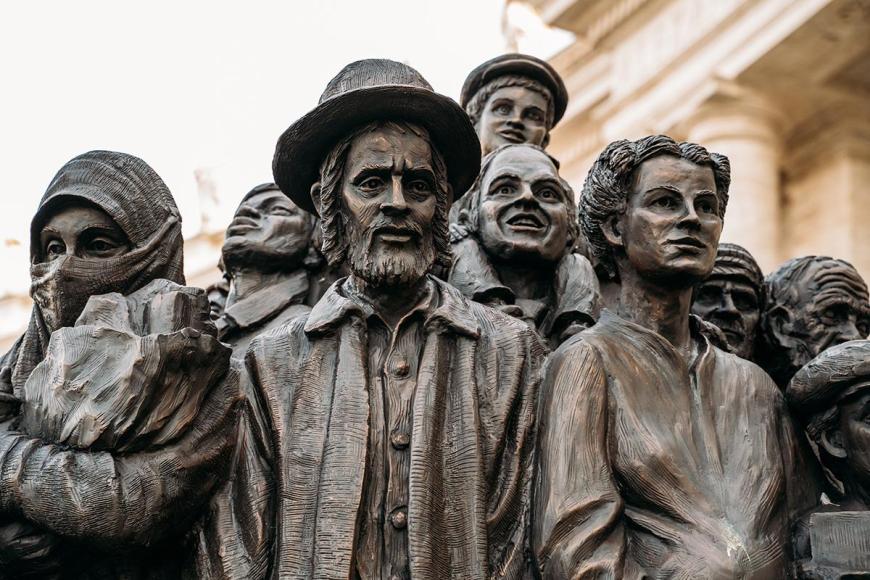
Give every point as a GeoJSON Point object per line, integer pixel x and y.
{"type": "Point", "coordinates": [267, 302]}
{"type": "Point", "coordinates": [452, 313]}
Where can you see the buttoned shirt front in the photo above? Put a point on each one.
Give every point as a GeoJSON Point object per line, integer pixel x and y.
{"type": "Point", "coordinates": [393, 361]}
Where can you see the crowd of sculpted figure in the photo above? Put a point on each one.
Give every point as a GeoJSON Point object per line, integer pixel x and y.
{"type": "Point", "coordinates": [114, 430]}
{"type": "Point", "coordinates": [660, 455]}
{"type": "Point", "coordinates": [393, 428]}
{"type": "Point", "coordinates": [812, 303]}
{"type": "Point", "coordinates": [269, 258]}
{"type": "Point", "coordinates": [831, 395]}
{"type": "Point", "coordinates": [516, 252]}
{"type": "Point", "coordinates": [395, 399]}
{"type": "Point", "coordinates": [732, 298]}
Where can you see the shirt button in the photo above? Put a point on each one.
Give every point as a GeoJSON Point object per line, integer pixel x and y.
{"type": "Point", "coordinates": [402, 368]}
{"type": "Point", "coordinates": [400, 440]}
{"type": "Point", "coordinates": [399, 518]}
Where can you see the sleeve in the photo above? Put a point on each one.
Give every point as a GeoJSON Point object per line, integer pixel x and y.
{"type": "Point", "coordinates": [233, 538]}
{"type": "Point", "coordinates": [577, 531]}
{"type": "Point", "coordinates": [114, 500]}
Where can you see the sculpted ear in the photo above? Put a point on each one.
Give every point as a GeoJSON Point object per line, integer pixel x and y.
{"type": "Point", "coordinates": [611, 228]}
{"type": "Point", "coordinates": [832, 442]}
{"type": "Point", "coordinates": [546, 141]}
{"type": "Point", "coordinates": [315, 197]}
{"type": "Point", "coordinates": [779, 325]}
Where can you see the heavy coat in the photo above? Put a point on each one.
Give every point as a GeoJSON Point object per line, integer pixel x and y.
{"type": "Point", "coordinates": [305, 458]}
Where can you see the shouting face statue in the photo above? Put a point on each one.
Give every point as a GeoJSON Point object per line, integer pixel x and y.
{"type": "Point", "coordinates": [524, 208]}
{"type": "Point", "coordinates": [731, 298]}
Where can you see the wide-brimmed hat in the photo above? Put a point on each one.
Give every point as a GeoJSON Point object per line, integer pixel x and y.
{"type": "Point", "coordinates": [518, 64]}
{"type": "Point", "coordinates": [366, 91]}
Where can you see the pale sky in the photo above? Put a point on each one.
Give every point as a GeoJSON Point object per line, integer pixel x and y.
{"type": "Point", "coordinates": [199, 84]}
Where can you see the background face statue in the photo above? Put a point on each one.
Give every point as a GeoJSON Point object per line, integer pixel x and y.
{"type": "Point", "coordinates": [670, 229]}
{"type": "Point", "coordinates": [268, 231]}
{"type": "Point", "coordinates": [731, 303]}
{"type": "Point", "coordinates": [388, 194]}
{"type": "Point", "coordinates": [513, 115]}
{"type": "Point", "coordinates": [523, 208]}
{"type": "Point", "coordinates": [854, 434]}
{"type": "Point", "coordinates": [83, 231]}
{"type": "Point", "coordinates": [828, 313]}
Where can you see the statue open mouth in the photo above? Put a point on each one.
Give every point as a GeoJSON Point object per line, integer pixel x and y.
{"type": "Point", "coordinates": [526, 221]}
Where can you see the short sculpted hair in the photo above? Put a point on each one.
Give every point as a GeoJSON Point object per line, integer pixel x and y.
{"type": "Point", "coordinates": [332, 225]}
{"type": "Point", "coordinates": [476, 104]}
{"type": "Point", "coordinates": [469, 206]}
{"type": "Point", "coordinates": [605, 192]}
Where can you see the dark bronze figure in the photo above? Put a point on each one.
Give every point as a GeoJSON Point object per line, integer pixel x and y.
{"type": "Point", "coordinates": [391, 430]}
{"type": "Point", "coordinates": [831, 394]}
{"type": "Point", "coordinates": [268, 258]}
{"type": "Point", "coordinates": [812, 303]}
{"type": "Point", "coordinates": [514, 98]}
{"type": "Point", "coordinates": [516, 254]}
{"type": "Point", "coordinates": [732, 298]}
{"type": "Point", "coordinates": [114, 435]}
{"type": "Point", "coordinates": [660, 455]}
{"type": "Point", "coordinates": [217, 297]}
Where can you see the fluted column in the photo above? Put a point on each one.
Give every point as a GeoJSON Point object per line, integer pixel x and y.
{"type": "Point", "coordinates": [746, 131]}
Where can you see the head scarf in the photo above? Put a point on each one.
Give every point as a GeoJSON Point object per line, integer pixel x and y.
{"type": "Point", "coordinates": [138, 201]}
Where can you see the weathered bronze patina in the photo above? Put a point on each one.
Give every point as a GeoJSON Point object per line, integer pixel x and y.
{"type": "Point", "coordinates": [831, 394]}
{"type": "Point", "coordinates": [514, 251]}
{"type": "Point", "coordinates": [812, 303]}
{"type": "Point", "coordinates": [514, 98]}
{"type": "Point", "coordinates": [732, 298]}
{"type": "Point", "coordinates": [115, 436]}
{"type": "Point", "coordinates": [391, 428]}
{"type": "Point", "coordinates": [661, 455]}
{"type": "Point", "coordinates": [269, 259]}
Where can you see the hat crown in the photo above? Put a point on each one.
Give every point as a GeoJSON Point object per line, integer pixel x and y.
{"type": "Point", "coordinates": [373, 72]}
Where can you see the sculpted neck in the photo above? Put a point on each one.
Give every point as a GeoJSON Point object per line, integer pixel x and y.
{"type": "Point", "coordinates": [394, 302]}
{"type": "Point", "coordinates": [526, 282]}
{"type": "Point", "coordinates": [662, 309]}
{"type": "Point", "coordinates": [247, 281]}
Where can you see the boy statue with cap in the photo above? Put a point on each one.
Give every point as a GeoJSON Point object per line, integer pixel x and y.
{"type": "Point", "coordinates": [390, 430]}
{"type": "Point", "coordinates": [732, 298]}
{"type": "Point", "coordinates": [514, 98]}
{"type": "Point", "coordinates": [831, 394]}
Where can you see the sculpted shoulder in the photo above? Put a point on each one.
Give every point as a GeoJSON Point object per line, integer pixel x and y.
{"type": "Point", "coordinates": [749, 375]}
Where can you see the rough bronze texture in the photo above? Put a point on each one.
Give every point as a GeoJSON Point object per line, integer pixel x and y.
{"type": "Point", "coordinates": [513, 241]}
{"type": "Point", "coordinates": [660, 455]}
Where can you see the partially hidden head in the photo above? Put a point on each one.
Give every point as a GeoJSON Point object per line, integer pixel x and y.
{"type": "Point", "coordinates": [380, 159]}
{"type": "Point", "coordinates": [732, 297]}
{"type": "Point", "coordinates": [520, 208]}
{"type": "Point", "coordinates": [831, 395]}
{"type": "Point", "coordinates": [107, 223]}
{"type": "Point", "coordinates": [268, 233]}
{"type": "Point", "coordinates": [655, 207]}
{"type": "Point", "coordinates": [514, 98]}
{"type": "Point", "coordinates": [812, 303]}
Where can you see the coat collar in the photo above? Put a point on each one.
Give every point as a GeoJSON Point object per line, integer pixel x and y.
{"type": "Point", "coordinates": [453, 313]}
{"type": "Point", "coordinates": [266, 303]}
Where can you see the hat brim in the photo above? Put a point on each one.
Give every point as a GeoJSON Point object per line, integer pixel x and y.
{"type": "Point", "coordinates": [303, 146]}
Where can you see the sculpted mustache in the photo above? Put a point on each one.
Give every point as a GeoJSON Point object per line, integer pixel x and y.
{"type": "Point", "coordinates": [382, 225]}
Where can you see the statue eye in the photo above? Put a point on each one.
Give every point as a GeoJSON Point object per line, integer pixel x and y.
{"type": "Point", "coordinates": [371, 183]}
{"type": "Point", "coordinates": [548, 194]}
{"type": "Point", "coordinates": [504, 190]}
{"type": "Point", "coordinates": [101, 245]}
{"type": "Point", "coordinates": [280, 211]}
{"type": "Point", "coordinates": [706, 205]}
{"type": "Point", "coordinates": [420, 186]}
{"type": "Point", "coordinates": [502, 109]}
{"type": "Point", "coordinates": [54, 248]}
{"type": "Point", "coordinates": [535, 115]}
{"type": "Point", "coordinates": [664, 202]}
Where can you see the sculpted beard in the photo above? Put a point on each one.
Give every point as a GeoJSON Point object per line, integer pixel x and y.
{"type": "Point", "coordinates": [382, 265]}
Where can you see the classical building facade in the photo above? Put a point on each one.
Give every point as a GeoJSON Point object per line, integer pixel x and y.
{"type": "Point", "coordinates": [780, 86]}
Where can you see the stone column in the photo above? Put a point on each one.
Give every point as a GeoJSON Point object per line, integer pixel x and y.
{"type": "Point", "coordinates": [746, 131]}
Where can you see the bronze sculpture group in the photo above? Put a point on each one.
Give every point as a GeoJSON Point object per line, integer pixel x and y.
{"type": "Point", "coordinates": [409, 370]}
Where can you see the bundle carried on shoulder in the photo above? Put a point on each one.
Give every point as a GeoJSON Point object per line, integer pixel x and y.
{"type": "Point", "coordinates": [130, 375]}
